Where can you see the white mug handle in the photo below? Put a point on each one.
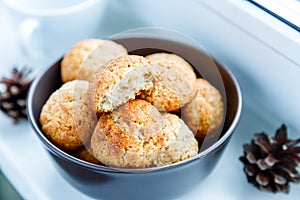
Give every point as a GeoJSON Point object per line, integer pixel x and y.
{"type": "Point", "coordinates": [29, 38]}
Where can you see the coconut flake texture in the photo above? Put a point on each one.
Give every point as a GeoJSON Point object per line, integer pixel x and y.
{"type": "Point", "coordinates": [119, 81]}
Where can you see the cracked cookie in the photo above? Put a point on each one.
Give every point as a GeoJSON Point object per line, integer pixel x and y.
{"type": "Point", "coordinates": [119, 81]}
{"type": "Point", "coordinates": [66, 118]}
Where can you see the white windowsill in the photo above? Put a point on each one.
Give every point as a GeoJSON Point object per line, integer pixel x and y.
{"type": "Point", "coordinates": [266, 28]}
{"type": "Point", "coordinates": [286, 9]}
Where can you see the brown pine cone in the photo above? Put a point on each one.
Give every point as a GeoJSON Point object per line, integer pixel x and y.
{"type": "Point", "coordinates": [13, 99]}
{"type": "Point", "coordinates": [270, 162]}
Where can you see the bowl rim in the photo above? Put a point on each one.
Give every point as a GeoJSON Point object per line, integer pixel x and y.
{"type": "Point", "coordinates": [105, 169]}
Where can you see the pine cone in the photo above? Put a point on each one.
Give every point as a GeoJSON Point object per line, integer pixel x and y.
{"type": "Point", "coordinates": [13, 99]}
{"type": "Point", "coordinates": [270, 162]}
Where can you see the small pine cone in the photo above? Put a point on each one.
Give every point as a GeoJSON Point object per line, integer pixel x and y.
{"type": "Point", "coordinates": [13, 99]}
{"type": "Point", "coordinates": [270, 162]}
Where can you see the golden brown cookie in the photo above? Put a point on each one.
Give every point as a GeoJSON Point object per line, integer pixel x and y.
{"type": "Point", "coordinates": [204, 115]}
{"type": "Point", "coordinates": [119, 81]}
{"type": "Point", "coordinates": [174, 84]}
{"type": "Point", "coordinates": [180, 142]}
{"type": "Point", "coordinates": [85, 57]}
{"type": "Point", "coordinates": [136, 135]}
{"type": "Point", "coordinates": [129, 136]}
{"type": "Point", "coordinates": [66, 118]}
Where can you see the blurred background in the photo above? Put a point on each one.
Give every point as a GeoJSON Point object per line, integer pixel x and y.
{"type": "Point", "coordinates": [261, 49]}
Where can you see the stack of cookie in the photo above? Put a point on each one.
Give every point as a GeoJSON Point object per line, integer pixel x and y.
{"type": "Point", "coordinates": [117, 109]}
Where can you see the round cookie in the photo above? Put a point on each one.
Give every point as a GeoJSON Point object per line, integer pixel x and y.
{"type": "Point", "coordinates": [84, 154]}
{"type": "Point", "coordinates": [180, 142]}
{"type": "Point", "coordinates": [204, 115]}
{"type": "Point", "coordinates": [119, 81]}
{"type": "Point", "coordinates": [66, 118]}
{"type": "Point", "coordinates": [85, 57]}
{"type": "Point", "coordinates": [174, 84]}
{"type": "Point", "coordinates": [129, 136]}
{"type": "Point", "coordinates": [179, 64]}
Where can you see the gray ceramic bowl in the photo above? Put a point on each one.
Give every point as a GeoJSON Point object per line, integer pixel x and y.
{"type": "Point", "coordinates": [167, 182]}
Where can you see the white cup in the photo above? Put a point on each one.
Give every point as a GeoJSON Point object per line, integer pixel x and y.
{"type": "Point", "coordinates": [50, 27]}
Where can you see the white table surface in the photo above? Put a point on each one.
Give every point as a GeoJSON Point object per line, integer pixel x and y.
{"type": "Point", "coordinates": [26, 164]}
